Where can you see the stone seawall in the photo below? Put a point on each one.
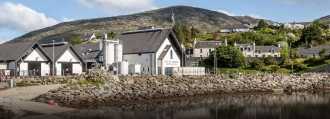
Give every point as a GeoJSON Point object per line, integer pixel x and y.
{"type": "Point", "coordinates": [105, 90]}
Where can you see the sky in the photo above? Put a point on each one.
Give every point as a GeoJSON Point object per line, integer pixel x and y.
{"type": "Point", "coordinates": [18, 17]}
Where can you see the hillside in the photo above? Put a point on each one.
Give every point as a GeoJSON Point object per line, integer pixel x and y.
{"type": "Point", "coordinates": [202, 19]}
{"type": "Point", "coordinates": [325, 19]}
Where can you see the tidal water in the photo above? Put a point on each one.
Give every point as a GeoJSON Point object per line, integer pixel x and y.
{"type": "Point", "coordinates": [238, 106]}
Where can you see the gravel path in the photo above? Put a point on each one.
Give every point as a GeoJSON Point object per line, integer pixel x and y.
{"type": "Point", "coordinates": [27, 93]}
{"type": "Point", "coordinates": [19, 100]}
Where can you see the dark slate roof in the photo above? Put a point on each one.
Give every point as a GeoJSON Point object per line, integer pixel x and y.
{"type": "Point", "coordinates": [58, 50]}
{"type": "Point", "coordinates": [208, 44]}
{"type": "Point", "coordinates": [267, 48]}
{"type": "Point", "coordinates": [88, 52]}
{"type": "Point", "coordinates": [163, 54]}
{"type": "Point", "coordinates": [13, 51]}
{"type": "Point", "coordinates": [244, 45]}
{"type": "Point", "coordinates": [146, 41]}
{"type": "Point", "coordinates": [313, 51]}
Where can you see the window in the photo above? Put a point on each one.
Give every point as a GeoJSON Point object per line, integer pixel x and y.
{"type": "Point", "coordinates": [171, 53]}
{"type": "Point", "coordinates": [201, 51]}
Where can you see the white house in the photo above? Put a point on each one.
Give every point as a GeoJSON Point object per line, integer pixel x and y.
{"type": "Point", "coordinates": [24, 59]}
{"type": "Point", "coordinates": [156, 50]}
{"type": "Point", "coordinates": [251, 50]}
{"type": "Point", "coordinates": [294, 26]}
{"type": "Point", "coordinates": [66, 60]}
{"type": "Point", "coordinates": [203, 49]}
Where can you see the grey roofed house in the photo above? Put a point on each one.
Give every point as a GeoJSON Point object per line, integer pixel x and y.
{"type": "Point", "coordinates": [148, 41]}
{"type": "Point", "coordinates": [16, 51]}
{"type": "Point", "coordinates": [58, 49]}
{"type": "Point", "coordinates": [208, 44]}
{"type": "Point", "coordinates": [314, 51]}
{"type": "Point", "coordinates": [268, 48]}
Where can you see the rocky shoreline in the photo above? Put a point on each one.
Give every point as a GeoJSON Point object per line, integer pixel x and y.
{"type": "Point", "coordinates": [99, 90]}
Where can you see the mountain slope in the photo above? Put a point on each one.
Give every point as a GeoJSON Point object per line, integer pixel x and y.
{"type": "Point", "coordinates": [325, 19]}
{"type": "Point", "coordinates": [203, 19]}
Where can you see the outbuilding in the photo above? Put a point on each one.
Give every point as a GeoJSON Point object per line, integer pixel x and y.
{"type": "Point", "coordinates": [66, 60]}
{"type": "Point", "coordinates": [158, 51]}
{"type": "Point", "coordinates": [24, 59]}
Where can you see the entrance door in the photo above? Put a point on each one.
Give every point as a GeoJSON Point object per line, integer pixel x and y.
{"type": "Point", "coordinates": [169, 71]}
{"type": "Point", "coordinates": [34, 68]}
{"type": "Point", "coordinates": [67, 68]}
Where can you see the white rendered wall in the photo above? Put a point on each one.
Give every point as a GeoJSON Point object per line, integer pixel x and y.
{"type": "Point", "coordinates": [205, 52]}
{"type": "Point", "coordinates": [169, 62]}
{"type": "Point", "coordinates": [45, 69]}
{"type": "Point", "coordinates": [58, 69]}
{"type": "Point", "coordinates": [23, 66]}
{"type": "Point", "coordinates": [35, 55]}
{"type": "Point", "coordinates": [144, 60]}
{"type": "Point", "coordinates": [68, 56]}
{"type": "Point", "coordinates": [77, 68]}
{"type": "Point", "coordinates": [3, 65]}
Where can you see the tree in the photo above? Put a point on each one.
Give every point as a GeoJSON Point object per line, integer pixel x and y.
{"type": "Point", "coordinates": [111, 35]}
{"type": "Point", "coordinates": [270, 61]}
{"type": "Point", "coordinates": [262, 24]}
{"type": "Point", "coordinates": [322, 53]}
{"type": "Point", "coordinates": [227, 56]}
{"type": "Point", "coordinates": [75, 39]}
{"type": "Point", "coordinates": [311, 34]}
{"type": "Point", "coordinates": [257, 64]}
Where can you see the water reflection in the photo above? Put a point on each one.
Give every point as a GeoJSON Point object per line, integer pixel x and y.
{"type": "Point", "coordinates": [244, 106]}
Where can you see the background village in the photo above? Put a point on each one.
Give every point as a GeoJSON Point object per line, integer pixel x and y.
{"type": "Point", "coordinates": [64, 68]}
{"type": "Point", "coordinates": [170, 51]}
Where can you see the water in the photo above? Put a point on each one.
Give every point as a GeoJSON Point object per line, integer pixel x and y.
{"type": "Point", "coordinates": [239, 106]}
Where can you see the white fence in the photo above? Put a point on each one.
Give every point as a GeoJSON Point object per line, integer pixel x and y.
{"type": "Point", "coordinates": [189, 71]}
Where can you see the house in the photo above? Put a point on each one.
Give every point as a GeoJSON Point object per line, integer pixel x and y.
{"type": "Point", "coordinates": [66, 60]}
{"type": "Point", "coordinates": [157, 50]}
{"type": "Point", "coordinates": [24, 59]}
{"type": "Point", "coordinates": [251, 50]}
{"type": "Point", "coordinates": [235, 29]}
{"type": "Point", "coordinates": [294, 26]}
{"type": "Point", "coordinates": [88, 36]}
{"type": "Point", "coordinates": [203, 49]}
{"type": "Point", "coordinates": [314, 51]}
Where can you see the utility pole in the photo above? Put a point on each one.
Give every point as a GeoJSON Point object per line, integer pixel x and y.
{"type": "Point", "coordinates": [215, 61]}
{"type": "Point", "coordinates": [53, 57]}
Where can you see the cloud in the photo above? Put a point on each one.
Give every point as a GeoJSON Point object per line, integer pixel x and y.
{"type": "Point", "coordinates": [22, 18]}
{"type": "Point", "coordinates": [234, 14]}
{"type": "Point", "coordinates": [256, 16]}
{"type": "Point", "coordinates": [120, 6]}
{"type": "Point", "coordinates": [226, 12]}
{"type": "Point", "coordinates": [305, 2]}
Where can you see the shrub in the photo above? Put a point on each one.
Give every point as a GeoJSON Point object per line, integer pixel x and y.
{"type": "Point", "coordinates": [257, 64]}
{"type": "Point", "coordinates": [274, 68]}
{"type": "Point", "coordinates": [270, 61]}
{"type": "Point", "coordinates": [228, 57]}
